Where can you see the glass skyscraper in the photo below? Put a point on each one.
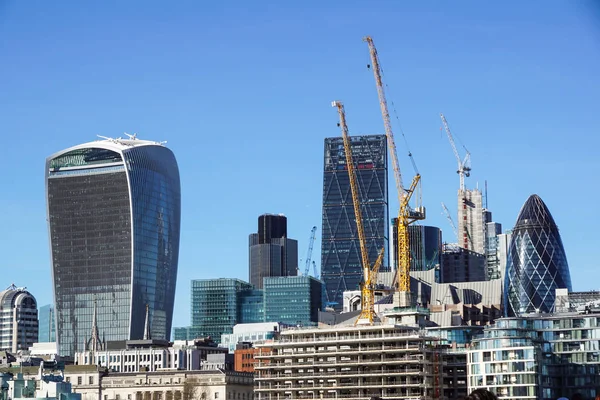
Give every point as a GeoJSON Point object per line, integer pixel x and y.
{"type": "Point", "coordinates": [114, 217]}
{"type": "Point", "coordinates": [537, 264]}
{"type": "Point", "coordinates": [341, 267]}
{"type": "Point", "coordinates": [47, 324]}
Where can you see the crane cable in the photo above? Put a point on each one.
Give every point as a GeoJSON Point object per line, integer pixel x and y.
{"type": "Point", "coordinates": [398, 120]}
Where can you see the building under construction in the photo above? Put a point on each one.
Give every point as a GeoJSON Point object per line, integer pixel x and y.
{"type": "Point", "coordinates": [356, 362]}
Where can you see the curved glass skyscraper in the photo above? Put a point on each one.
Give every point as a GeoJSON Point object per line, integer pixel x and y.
{"type": "Point", "coordinates": [537, 264]}
{"type": "Point", "coordinates": [113, 217]}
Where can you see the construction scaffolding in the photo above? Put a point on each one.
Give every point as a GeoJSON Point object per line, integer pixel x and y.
{"type": "Point", "coordinates": [359, 363]}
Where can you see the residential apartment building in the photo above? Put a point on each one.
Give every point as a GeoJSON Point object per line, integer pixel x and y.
{"type": "Point", "coordinates": [539, 356]}
{"type": "Point", "coordinates": [347, 362]}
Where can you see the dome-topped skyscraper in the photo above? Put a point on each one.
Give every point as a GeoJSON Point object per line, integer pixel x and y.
{"type": "Point", "coordinates": [537, 264]}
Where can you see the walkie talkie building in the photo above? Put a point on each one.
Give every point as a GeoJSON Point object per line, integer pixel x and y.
{"type": "Point", "coordinates": [114, 218]}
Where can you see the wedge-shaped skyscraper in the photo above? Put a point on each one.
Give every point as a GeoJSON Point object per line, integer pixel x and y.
{"type": "Point", "coordinates": [537, 264]}
{"type": "Point", "coordinates": [113, 217]}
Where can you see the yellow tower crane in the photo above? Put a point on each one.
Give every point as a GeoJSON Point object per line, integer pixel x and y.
{"type": "Point", "coordinates": [367, 314]}
{"type": "Point", "coordinates": [406, 215]}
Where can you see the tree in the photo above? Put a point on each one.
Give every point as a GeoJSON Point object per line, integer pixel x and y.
{"type": "Point", "coordinates": [194, 390]}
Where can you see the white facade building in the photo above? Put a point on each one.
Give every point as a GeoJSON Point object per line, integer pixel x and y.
{"type": "Point", "coordinates": [252, 333]}
{"type": "Point", "coordinates": [18, 319]}
{"type": "Point", "coordinates": [147, 355]}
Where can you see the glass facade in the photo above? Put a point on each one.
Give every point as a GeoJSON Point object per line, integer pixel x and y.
{"type": "Point", "coordinates": [425, 246]}
{"type": "Point", "coordinates": [252, 306]}
{"type": "Point", "coordinates": [114, 219]}
{"type": "Point", "coordinates": [47, 324]}
{"type": "Point", "coordinates": [216, 306]}
{"type": "Point", "coordinates": [537, 264]}
{"type": "Point", "coordinates": [293, 300]}
{"type": "Point", "coordinates": [341, 267]}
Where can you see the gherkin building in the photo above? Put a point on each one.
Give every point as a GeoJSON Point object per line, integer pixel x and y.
{"type": "Point", "coordinates": [537, 264]}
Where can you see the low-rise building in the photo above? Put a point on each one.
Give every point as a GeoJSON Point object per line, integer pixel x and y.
{"type": "Point", "coordinates": [93, 383]}
{"type": "Point", "coordinates": [250, 333]}
{"type": "Point", "coordinates": [40, 386]}
{"type": "Point", "coordinates": [152, 355]}
{"type": "Point", "coordinates": [245, 355]}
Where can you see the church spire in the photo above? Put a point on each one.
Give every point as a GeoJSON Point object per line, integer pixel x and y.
{"type": "Point", "coordinates": [147, 324]}
{"type": "Point", "coordinates": [95, 344]}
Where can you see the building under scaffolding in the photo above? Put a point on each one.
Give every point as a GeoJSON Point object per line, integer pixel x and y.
{"type": "Point", "coordinates": [362, 362]}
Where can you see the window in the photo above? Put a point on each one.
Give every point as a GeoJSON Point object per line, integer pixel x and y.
{"type": "Point", "coordinates": [216, 395]}
{"type": "Point", "coordinates": [79, 380]}
{"type": "Point", "coordinates": [91, 380]}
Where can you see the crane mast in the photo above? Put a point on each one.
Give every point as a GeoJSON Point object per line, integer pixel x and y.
{"type": "Point", "coordinates": [464, 167]}
{"type": "Point", "coordinates": [311, 243]}
{"type": "Point", "coordinates": [406, 215]}
{"type": "Point", "coordinates": [369, 275]}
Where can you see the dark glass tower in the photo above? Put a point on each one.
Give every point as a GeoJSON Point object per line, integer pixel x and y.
{"type": "Point", "coordinates": [271, 252]}
{"type": "Point", "coordinates": [425, 246]}
{"type": "Point", "coordinates": [113, 217]}
{"type": "Point", "coordinates": [341, 267]}
{"type": "Point", "coordinates": [537, 264]}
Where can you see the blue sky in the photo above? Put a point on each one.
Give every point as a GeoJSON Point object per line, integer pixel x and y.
{"type": "Point", "coordinates": [242, 90]}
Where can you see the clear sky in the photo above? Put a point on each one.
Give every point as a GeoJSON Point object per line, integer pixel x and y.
{"type": "Point", "coordinates": [241, 91]}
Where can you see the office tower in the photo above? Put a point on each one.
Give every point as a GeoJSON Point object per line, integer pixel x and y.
{"type": "Point", "coordinates": [425, 244]}
{"type": "Point", "coordinates": [113, 218]}
{"type": "Point", "coordinates": [461, 265]}
{"type": "Point", "coordinates": [272, 253]}
{"type": "Point", "coordinates": [470, 221]}
{"type": "Point", "coordinates": [252, 306]}
{"type": "Point", "coordinates": [294, 300]}
{"type": "Point", "coordinates": [491, 231]}
{"type": "Point", "coordinates": [537, 264]}
{"type": "Point", "coordinates": [47, 324]}
{"type": "Point", "coordinates": [503, 246]}
{"type": "Point", "coordinates": [18, 319]}
{"type": "Point", "coordinates": [215, 308]}
{"type": "Point", "coordinates": [341, 266]}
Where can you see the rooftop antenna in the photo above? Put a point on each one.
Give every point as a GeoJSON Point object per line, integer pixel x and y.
{"type": "Point", "coordinates": [131, 137]}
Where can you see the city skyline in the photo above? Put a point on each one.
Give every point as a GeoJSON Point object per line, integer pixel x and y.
{"type": "Point", "coordinates": [526, 115]}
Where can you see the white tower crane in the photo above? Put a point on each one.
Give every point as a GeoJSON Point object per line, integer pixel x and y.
{"type": "Point", "coordinates": [464, 165]}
